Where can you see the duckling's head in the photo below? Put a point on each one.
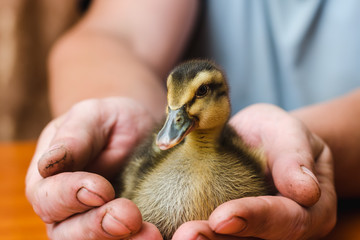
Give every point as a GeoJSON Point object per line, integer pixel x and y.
{"type": "Point", "coordinates": [198, 99]}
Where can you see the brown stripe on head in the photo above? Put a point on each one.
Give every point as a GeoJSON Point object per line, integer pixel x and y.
{"type": "Point", "coordinates": [186, 78]}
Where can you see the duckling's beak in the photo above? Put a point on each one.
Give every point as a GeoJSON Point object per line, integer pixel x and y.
{"type": "Point", "coordinates": [178, 124]}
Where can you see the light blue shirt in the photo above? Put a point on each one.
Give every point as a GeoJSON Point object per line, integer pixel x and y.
{"type": "Point", "coordinates": [287, 52]}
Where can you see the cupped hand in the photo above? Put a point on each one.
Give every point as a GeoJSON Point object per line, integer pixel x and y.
{"type": "Point", "coordinates": [68, 179]}
{"type": "Point", "coordinates": [300, 165]}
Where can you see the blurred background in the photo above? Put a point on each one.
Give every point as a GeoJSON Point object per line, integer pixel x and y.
{"type": "Point", "coordinates": [27, 31]}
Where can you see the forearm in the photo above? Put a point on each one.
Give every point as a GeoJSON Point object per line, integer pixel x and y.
{"type": "Point", "coordinates": [121, 48]}
{"type": "Point", "coordinates": [337, 122]}
{"type": "Point", "coordinates": [86, 64]}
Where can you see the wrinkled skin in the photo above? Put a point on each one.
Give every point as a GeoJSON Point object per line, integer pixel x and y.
{"type": "Point", "coordinates": [305, 207]}
{"type": "Point", "coordinates": [78, 153]}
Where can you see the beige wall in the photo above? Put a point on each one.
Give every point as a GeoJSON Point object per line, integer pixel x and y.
{"type": "Point", "coordinates": [27, 30]}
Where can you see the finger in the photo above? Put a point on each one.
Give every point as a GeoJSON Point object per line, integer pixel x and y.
{"type": "Point", "coordinates": [77, 139]}
{"type": "Point", "coordinates": [293, 171]}
{"type": "Point", "coordinates": [324, 212]}
{"type": "Point", "coordinates": [267, 217]}
{"type": "Point", "coordinates": [199, 230]}
{"type": "Point", "coordinates": [289, 149]}
{"type": "Point", "coordinates": [60, 196]}
{"type": "Point", "coordinates": [105, 130]}
{"type": "Point", "coordinates": [118, 219]}
{"type": "Point", "coordinates": [275, 217]}
{"type": "Point", "coordinates": [148, 231]}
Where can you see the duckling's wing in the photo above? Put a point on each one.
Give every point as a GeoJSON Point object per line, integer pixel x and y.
{"type": "Point", "coordinates": [232, 142]}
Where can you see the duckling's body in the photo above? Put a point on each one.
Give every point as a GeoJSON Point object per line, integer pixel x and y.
{"type": "Point", "coordinates": [188, 179]}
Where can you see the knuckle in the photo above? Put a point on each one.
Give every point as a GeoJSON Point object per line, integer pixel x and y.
{"type": "Point", "coordinates": [38, 205]}
{"type": "Point", "coordinates": [299, 229]}
{"type": "Point", "coordinates": [329, 223]}
{"type": "Point", "coordinates": [44, 215]}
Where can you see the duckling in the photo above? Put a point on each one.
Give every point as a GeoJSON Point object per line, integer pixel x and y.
{"type": "Point", "coordinates": [196, 162]}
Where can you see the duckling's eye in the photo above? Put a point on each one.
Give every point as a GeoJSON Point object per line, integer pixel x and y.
{"type": "Point", "coordinates": [202, 91]}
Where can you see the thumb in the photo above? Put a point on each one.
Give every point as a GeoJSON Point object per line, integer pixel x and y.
{"type": "Point", "coordinates": [95, 135]}
{"type": "Point", "coordinates": [289, 149]}
{"type": "Point", "coordinates": [268, 217]}
{"type": "Point", "coordinates": [76, 139]}
{"type": "Point", "coordinates": [294, 178]}
{"type": "Point", "coordinates": [293, 170]}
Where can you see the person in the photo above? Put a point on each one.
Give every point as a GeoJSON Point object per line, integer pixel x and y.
{"type": "Point", "coordinates": [106, 84]}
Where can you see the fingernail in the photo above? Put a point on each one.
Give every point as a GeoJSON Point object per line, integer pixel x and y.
{"type": "Point", "coordinates": [56, 152]}
{"type": "Point", "coordinates": [311, 174]}
{"type": "Point", "coordinates": [54, 160]}
{"type": "Point", "coordinates": [55, 147]}
{"type": "Point", "coordinates": [114, 227]}
{"type": "Point", "coordinates": [89, 198]}
{"type": "Point", "coordinates": [202, 237]}
{"type": "Point", "coordinates": [234, 225]}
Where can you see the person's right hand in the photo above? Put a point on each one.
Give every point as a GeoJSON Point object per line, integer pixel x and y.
{"type": "Point", "coordinates": [301, 167]}
{"type": "Point", "coordinates": [77, 154]}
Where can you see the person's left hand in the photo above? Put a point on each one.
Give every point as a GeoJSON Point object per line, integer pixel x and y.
{"type": "Point", "coordinates": [77, 155]}
{"type": "Point", "coordinates": [301, 167]}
